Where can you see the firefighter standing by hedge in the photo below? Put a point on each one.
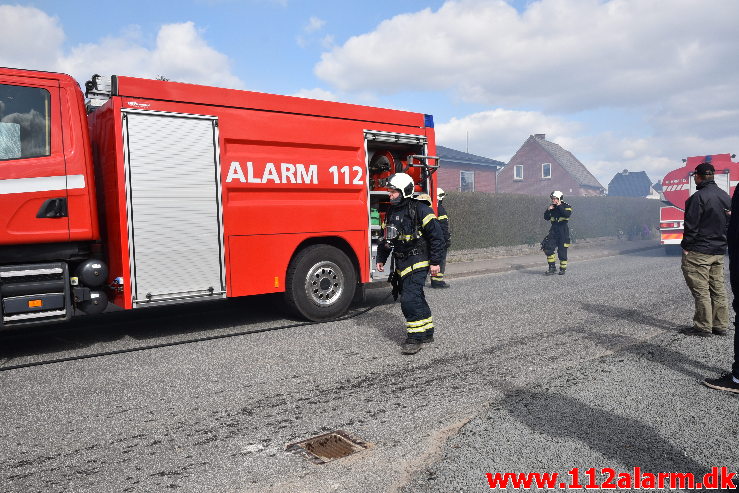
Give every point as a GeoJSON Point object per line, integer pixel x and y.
{"type": "Point", "coordinates": [438, 281]}
{"type": "Point", "coordinates": [414, 235]}
{"type": "Point", "coordinates": [558, 238]}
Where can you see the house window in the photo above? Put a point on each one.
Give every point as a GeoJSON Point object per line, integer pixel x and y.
{"type": "Point", "coordinates": [546, 170]}
{"type": "Point", "coordinates": [467, 181]}
{"type": "Point", "coordinates": [518, 172]}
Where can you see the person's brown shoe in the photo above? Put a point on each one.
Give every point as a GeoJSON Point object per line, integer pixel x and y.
{"type": "Point", "coordinates": [694, 331]}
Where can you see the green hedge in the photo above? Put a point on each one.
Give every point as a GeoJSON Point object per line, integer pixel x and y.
{"type": "Point", "coordinates": [481, 220]}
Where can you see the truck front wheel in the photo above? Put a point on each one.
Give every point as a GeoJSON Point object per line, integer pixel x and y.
{"type": "Point", "coordinates": [320, 283]}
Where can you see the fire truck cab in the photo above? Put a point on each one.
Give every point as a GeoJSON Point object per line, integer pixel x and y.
{"type": "Point", "coordinates": [161, 192]}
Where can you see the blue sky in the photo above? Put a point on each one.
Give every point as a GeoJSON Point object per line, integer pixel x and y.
{"type": "Point", "coordinates": [623, 84]}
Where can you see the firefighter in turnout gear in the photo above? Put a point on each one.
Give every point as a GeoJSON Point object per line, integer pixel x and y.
{"type": "Point", "coordinates": [413, 234]}
{"type": "Point", "coordinates": [438, 281]}
{"type": "Point", "coordinates": [558, 238]}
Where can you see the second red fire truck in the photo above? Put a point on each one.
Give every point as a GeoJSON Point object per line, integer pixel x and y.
{"type": "Point", "coordinates": [173, 193]}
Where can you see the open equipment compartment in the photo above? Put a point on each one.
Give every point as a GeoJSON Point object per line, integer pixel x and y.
{"type": "Point", "coordinates": [387, 154]}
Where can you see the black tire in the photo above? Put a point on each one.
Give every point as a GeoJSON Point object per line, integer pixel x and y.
{"type": "Point", "coordinates": [320, 283]}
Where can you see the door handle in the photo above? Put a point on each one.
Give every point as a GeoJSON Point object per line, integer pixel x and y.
{"type": "Point", "coordinates": [52, 208]}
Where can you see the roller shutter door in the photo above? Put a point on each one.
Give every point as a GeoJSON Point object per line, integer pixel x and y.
{"type": "Point", "coordinates": [174, 208]}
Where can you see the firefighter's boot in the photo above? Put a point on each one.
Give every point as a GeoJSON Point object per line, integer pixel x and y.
{"type": "Point", "coordinates": [411, 345]}
{"type": "Point", "coordinates": [562, 271]}
{"type": "Point", "coordinates": [438, 284]}
{"type": "Point", "coordinates": [428, 336]}
{"type": "Point", "coordinates": [552, 269]}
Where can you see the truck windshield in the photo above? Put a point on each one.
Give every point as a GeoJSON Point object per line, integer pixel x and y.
{"type": "Point", "coordinates": [25, 129]}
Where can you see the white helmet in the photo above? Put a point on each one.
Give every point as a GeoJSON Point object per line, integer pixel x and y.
{"type": "Point", "coordinates": [440, 193]}
{"type": "Point", "coordinates": [403, 183]}
{"type": "Point", "coordinates": [556, 195]}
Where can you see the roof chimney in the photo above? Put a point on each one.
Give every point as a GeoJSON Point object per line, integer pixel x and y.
{"type": "Point", "coordinates": [540, 136]}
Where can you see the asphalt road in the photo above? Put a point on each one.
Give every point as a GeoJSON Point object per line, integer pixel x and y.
{"type": "Point", "coordinates": [528, 374]}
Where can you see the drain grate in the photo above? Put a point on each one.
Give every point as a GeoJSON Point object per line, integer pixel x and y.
{"type": "Point", "coordinates": [327, 447]}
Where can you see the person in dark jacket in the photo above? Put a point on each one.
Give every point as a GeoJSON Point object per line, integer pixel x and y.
{"type": "Point", "coordinates": [730, 381]}
{"type": "Point", "coordinates": [558, 213]}
{"type": "Point", "coordinates": [438, 281]}
{"type": "Point", "coordinates": [704, 246]}
{"type": "Point", "coordinates": [413, 234]}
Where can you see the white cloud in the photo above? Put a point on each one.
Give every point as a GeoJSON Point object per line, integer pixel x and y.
{"type": "Point", "coordinates": [317, 93]}
{"type": "Point", "coordinates": [562, 54]}
{"type": "Point", "coordinates": [180, 54]}
{"type": "Point", "coordinates": [327, 42]}
{"type": "Point", "coordinates": [668, 63]}
{"type": "Point", "coordinates": [607, 153]}
{"type": "Point", "coordinates": [33, 40]}
{"type": "Point", "coordinates": [499, 133]}
{"type": "Point", "coordinates": [314, 24]}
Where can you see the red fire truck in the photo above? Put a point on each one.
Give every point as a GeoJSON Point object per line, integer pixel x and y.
{"type": "Point", "coordinates": [678, 185]}
{"type": "Point", "coordinates": [156, 192]}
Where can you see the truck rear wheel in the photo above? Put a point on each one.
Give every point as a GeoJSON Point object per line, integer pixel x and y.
{"type": "Point", "coordinates": [320, 283]}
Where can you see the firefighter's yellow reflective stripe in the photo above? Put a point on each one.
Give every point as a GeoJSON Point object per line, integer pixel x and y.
{"type": "Point", "coordinates": [550, 258]}
{"type": "Point", "coordinates": [566, 245]}
{"type": "Point", "coordinates": [410, 237]}
{"type": "Point", "coordinates": [564, 218]}
{"type": "Point", "coordinates": [443, 218]}
{"type": "Point", "coordinates": [420, 325]}
{"type": "Point", "coordinates": [568, 208]}
{"type": "Point", "coordinates": [424, 328]}
{"type": "Point", "coordinates": [554, 219]}
{"type": "Point", "coordinates": [438, 277]}
{"type": "Point", "coordinates": [417, 265]}
{"type": "Point", "coordinates": [426, 219]}
{"type": "Point", "coordinates": [563, 263]}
